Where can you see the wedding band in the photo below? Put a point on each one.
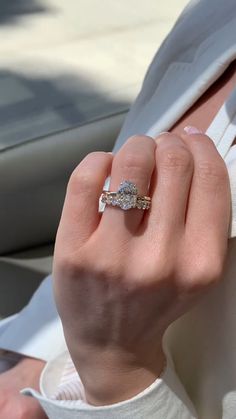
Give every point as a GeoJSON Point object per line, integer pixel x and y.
{"type": "Point", "coordinates": [126, 197]}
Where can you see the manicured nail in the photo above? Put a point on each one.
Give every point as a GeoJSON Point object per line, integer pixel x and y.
{"type": "Point", "coordinates": [192, 130]}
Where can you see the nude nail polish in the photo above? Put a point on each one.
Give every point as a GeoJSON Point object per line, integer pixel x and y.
{"type": "Point", "coordinates": [192, 130]}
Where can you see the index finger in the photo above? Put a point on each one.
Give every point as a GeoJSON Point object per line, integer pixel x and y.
{"type": "Point", "coordinates": [80, 216]}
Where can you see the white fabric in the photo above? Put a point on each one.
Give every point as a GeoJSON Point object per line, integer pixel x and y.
{"type": "Point", "coordinates": [157, 401]}
{"type": "Point", "coordinates": [222, 128]}
{"type": "Point", "coordinates": [70, 386]}
{"type": "Point", "coordinates": [202, 343]}
{"type": "Point", "coordinates": [223, 132]}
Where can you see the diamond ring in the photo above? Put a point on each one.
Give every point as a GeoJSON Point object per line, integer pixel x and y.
{"type": "Point", "coordinates": [126, 197]}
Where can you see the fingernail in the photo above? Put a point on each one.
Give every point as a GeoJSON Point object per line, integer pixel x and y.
{"type": "Point", "coordinates": [157, 138]}
{"type": "Point", "coordinates": [110, 152]}
{"type": "Point", "coordinates": [192, 130]}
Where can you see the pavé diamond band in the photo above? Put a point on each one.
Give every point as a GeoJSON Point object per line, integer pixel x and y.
{"type": "Point", "coordinates": [126, 197]}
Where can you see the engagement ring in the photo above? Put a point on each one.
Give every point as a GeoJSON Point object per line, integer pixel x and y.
{"type": "Point", "coordinates": [126, 197]}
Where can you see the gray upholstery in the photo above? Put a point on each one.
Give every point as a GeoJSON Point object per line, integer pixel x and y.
{"type": "Point", "coordinates": [20, 275]}
{"type": "Point", "coordinates": [33, 178]}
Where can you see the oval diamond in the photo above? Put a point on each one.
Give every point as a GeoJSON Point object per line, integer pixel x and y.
{"type": "Point", "coordinates": [128, 187]}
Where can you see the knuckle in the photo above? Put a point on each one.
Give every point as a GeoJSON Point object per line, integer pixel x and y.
{"type": "Point", "coordinates": [82, 181]}
{"type": "Point", "coordinates": [210, 173]}
{"type": "Point", "coordinates": [177, 158]}
{"type": "Point", "coordinates": [145, 271]}
{"type": "Point", "coordinates": [81, 264]}
{"type": "Point", "coordinates": [164, 267]}
{"type": "Point", "coordinates": [136, 165]}
{"type": "Point", "coordinates": [140, 139]}
{"type": "Point", "coordinates": [206, 274]}
{"type": "Point", "coordinates": [162, 271]}
{"type": "Point", "coordinates": [134, 161]}
{"type": "Point", "coordinates": [106, 268]}
{"type": "Point", "coordinates": [69, 265]}
{"type": "Point", "coordinates": [94, 156]}
{"type": "Point", "coordinates": [87, 262]}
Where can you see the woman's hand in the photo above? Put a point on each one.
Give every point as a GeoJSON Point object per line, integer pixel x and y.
{"type": "Point", "coordinates": [14, 405]}
{"type": "Point", "coordinates": [122, 277]}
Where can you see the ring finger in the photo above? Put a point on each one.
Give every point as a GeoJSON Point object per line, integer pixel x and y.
{"type": "Point", "coordinates": [135, 162]}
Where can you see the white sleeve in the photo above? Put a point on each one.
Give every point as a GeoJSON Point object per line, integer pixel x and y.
{"type": "Point", "coordinates": [164, 399]}
{"type": "Point", "coordinates": [36, 331]}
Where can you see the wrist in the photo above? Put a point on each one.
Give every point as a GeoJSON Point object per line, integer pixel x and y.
{"type": "Point", "coordinates": [110, 377]}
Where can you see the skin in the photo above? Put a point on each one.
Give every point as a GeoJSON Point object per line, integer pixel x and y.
{"type": "Point", "coordinates": [13, 405]}
{"type": "Point", "coordinates": [117, 293]}
{"type": "Point", "coordinates": [200, 115]}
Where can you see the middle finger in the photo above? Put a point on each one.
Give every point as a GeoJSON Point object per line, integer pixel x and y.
{"type": "Point", "coordinates": [171, 185]}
